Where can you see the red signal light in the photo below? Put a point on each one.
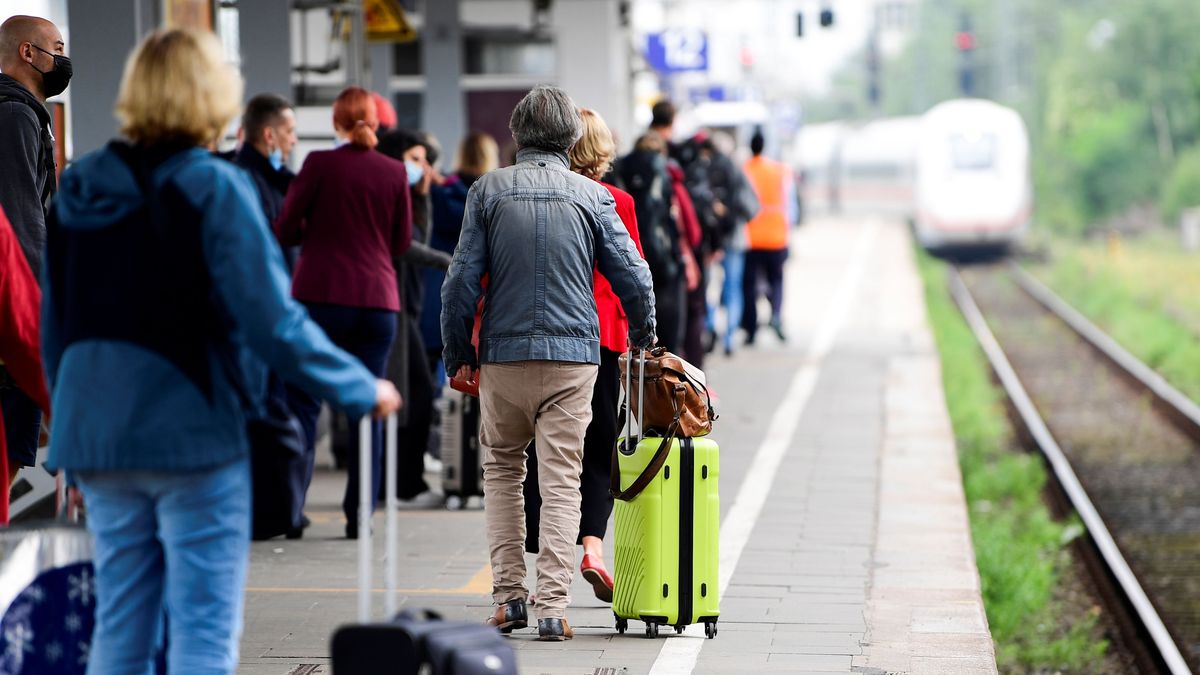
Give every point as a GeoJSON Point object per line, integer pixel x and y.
{"type": "Point", "coordinates": [965, 41]}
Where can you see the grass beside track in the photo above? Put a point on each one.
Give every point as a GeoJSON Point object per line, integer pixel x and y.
{"type": "Point", "coordinates": [1142, 293]}
{"type": "Point", "coordinates": [1020, 549]}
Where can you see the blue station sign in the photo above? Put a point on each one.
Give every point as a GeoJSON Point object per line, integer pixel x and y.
{"type": "Point", "coordinates": [680, 50]}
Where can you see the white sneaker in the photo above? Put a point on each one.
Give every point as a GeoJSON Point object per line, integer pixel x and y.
{"type": "Point", "coordinates": [433, 465]}
{"type": "Point", "coordinates": [424, 501]}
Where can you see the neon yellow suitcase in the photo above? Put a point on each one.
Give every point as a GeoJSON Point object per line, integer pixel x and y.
{"type": "Point", "coordinates": [667, 537]}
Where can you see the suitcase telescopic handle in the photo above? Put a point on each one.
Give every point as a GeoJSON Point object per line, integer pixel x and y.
{"type": "Point", "coordinates": [629, 399]}
{"type": "Point", "coordinates": [391, 507]}
{"type": "Point", "coordinates": [642, 392]}
{"type": "Point", "coordinates": [629, 395]}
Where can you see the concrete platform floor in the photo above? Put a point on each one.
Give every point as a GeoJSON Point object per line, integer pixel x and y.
{"type": "Point", "coordinates": [844, 541]}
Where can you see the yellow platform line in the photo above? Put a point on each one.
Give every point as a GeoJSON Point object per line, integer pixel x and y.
{"type": "Point", "coordinates": [480, 584]}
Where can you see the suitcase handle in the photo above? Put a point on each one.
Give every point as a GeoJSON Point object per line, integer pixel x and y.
{"type": "Point", "coordinates": [664, 448]}
{"type": "Point", "coordinates": [629, 397]}
{"type": "Point", "coordinates": [392, 505]}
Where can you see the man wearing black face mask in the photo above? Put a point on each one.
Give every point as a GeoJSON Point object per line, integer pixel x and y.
{"type": "Point", "coordinates": [33, 69]}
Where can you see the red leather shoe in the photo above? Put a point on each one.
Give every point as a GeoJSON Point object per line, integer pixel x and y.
{"type": "Point", "coordinates": [593, 570]}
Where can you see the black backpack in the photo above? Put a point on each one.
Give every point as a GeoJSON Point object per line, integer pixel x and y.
{"type": "Point", "coordinates": [643, 174]}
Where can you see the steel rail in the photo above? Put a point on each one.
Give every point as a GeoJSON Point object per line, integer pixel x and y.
{"type": "Point", "coordinates": [1182, 408]}
{"type": "Point", "coordinates": [1103, 539]}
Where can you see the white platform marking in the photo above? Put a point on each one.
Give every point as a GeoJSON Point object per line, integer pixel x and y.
{"type": "Point", "coordinates": [680, 655]}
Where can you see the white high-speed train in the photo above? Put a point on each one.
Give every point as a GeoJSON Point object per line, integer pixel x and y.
{"type": "Point", "coordinates": [959, 173]}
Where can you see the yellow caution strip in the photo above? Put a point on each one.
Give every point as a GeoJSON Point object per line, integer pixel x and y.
{"type": "Point", "coordinates": [480, 584]}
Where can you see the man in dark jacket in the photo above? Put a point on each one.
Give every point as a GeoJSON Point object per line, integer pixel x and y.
{"type": "Point", "coordinates": [279, 480]}
{"type": "Point", "coordinates": [34, 69]}
{"type": "Point", "coordinates": [269, 132]}
{"type": "Point", "coordinates": [643, 174]}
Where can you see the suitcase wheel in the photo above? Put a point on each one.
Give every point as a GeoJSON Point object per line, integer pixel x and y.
{"type": "Point", "coordinates": [651, 630]}
{"type": "Point", "coordinates": [455, 503]}
{"type": "Point", "coordinates": [710, 629]}
{"type": "Point", "coordinates": [622, 626]}
{"type": "Point", "coordinates": [679, 630]}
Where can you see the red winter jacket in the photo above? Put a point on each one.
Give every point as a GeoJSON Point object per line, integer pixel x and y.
{"type": "Point", "coordinates": [20, 302]}
{"type": "Point", "coordinates": [614, 327]}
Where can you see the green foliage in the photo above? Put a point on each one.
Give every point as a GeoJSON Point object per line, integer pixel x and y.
{"type": "Point", "coordinates": [1019, 548]}
{"type": "Point", "coordinates": [1110, 90]}
{"type": "Point", "coordinates": [1115, 111]}
{"type": "Point", "coordinates": [1099, 164]}
{"type": "Point", "coordinates": [1182, 189]}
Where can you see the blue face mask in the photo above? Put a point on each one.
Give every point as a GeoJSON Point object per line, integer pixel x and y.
{"type": "Point", "coordinates": [415, 172]}
{"type": "Point", "coordinates": [275, 157]}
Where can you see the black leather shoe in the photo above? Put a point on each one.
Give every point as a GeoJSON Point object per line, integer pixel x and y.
{"type": "Point", "coordinates": [298, 532]}
{"type": "Point", "coordinates": [554, 630]}
{"type": "Point", "coordinates": [510, 616]}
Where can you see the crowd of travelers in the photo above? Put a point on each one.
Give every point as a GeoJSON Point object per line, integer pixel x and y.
{"type": "Point", "coordinates": [181, 309]}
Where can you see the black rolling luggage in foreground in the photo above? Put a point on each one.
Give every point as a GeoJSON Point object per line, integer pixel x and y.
{"type": "Point", "coordinates": [414, 641]}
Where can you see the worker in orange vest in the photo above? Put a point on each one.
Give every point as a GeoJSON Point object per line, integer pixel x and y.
{"type": "Point", "coordinates": [767, 235]}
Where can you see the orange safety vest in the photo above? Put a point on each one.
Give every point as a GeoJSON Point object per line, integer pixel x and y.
{"type": "Point", "coordinates": [768, 231]}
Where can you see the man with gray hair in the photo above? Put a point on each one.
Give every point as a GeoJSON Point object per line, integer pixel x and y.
{"type": "Point", "coordinates": [538, 230]}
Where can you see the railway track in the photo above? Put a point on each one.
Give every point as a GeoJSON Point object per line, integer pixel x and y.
{"type": "Point", "coordinates": [1123, 447]}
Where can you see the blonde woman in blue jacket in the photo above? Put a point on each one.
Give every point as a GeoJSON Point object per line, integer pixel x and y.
{"type": "Point", "coordinates": [166, 299]}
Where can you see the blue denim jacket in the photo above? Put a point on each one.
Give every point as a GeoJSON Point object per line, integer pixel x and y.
{"type": "Point", "coordinates": [537, 229]}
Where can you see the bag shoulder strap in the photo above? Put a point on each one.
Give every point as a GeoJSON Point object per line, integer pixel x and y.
{"type": "Point", "coordinates": [656, 464]}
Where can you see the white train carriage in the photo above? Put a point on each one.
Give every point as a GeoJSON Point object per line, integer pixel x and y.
{"type": "Point", "coordinates": [959, 173]}
{"type": "Point", "coordinates": [877, 166]}
{"type": "Point", "coordinates": [972, 182]}
{"type": "Point", "coordinates": [815, 158]}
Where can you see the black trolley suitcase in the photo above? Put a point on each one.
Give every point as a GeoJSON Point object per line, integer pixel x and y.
{"type": "Point", "coordinates": [413, 641]}
{"type": "Point", "coordinates": [462, 473]}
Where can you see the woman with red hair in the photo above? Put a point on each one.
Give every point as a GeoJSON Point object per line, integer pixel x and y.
{"type": "Point", "coordinates": [349, 211]}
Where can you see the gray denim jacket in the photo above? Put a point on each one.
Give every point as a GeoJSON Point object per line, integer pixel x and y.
{"type": "Point", "coordinates": [537, 228]}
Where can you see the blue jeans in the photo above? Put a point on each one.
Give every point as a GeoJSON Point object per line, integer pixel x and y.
{"type": "Point", "coordinates": [734, 264]}
{"type": "Point", "coordinates": [367, 334]}
{"type": "Point", "coordinates": [177, 541]}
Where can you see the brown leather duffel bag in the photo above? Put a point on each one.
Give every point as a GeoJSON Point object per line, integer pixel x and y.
{"type": "Point", "coordinates": [677, 400]}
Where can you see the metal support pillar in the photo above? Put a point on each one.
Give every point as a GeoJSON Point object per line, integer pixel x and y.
{"type": "Point", "coordinates": [265, 38]}
{"type": "Point", "coordinates": [443, 109]}
{"type": "Point", "coordinates": [380, 54]}
{"type": "Point", "coordinates": [98, 53]}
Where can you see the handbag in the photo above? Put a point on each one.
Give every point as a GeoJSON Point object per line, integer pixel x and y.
{"type": "Point", "coordinates": [677, 403]}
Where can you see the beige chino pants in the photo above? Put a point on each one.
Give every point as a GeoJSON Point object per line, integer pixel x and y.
{"type": "Point", "coordinates": [520, 401]}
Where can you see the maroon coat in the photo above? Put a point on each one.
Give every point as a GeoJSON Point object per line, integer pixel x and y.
{"type": "Point", "coordinates": [350, 211]}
